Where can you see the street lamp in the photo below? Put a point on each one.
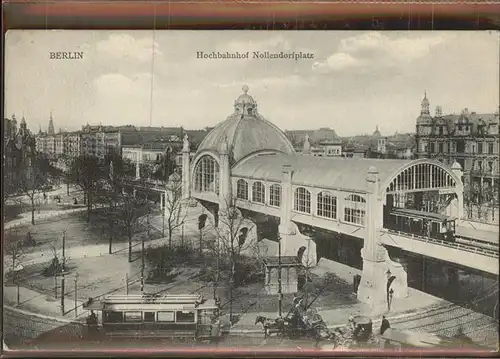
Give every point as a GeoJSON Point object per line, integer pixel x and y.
{"type": "Point", "coordinates": [62, 291]}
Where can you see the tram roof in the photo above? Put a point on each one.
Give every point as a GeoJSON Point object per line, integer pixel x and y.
{"type": "Point", "coordinates": [156, 299]}
{"type": "Point", "coordinates": [327, 172]}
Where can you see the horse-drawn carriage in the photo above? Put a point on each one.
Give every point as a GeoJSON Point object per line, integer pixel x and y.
{"type": "Point", "coordinates": [300, 322]}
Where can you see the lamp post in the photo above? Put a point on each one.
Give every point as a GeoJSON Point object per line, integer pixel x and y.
{"type": "Point", "coordinates": [142, 265]}
{"type": "Point", "coordinates": [76, 296]}
{"type": "Point", "coordinates": [64, 249]}
{"type": "Point", "coordinates": [62, 291]}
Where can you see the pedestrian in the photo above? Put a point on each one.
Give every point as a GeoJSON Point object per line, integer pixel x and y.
{"type": "Point", "coordinates": [385, 325]}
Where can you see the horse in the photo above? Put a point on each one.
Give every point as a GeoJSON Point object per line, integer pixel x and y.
{"type": "Point", "coordinates": [277, 325]}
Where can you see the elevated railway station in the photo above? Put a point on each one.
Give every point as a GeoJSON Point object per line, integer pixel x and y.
{"type": "Point", "coordinates": [413, 205]}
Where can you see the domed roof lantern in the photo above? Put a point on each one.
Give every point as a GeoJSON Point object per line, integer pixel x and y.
{"type": "Point", "coordinates": [245, 104]}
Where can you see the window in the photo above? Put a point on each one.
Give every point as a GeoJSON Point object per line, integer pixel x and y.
{"type": "Point", "coordinates": [441, 148]}
{"type": "Point", "coordinates": [242, 189]}
{"type": "Point", "coordinates": [327, 205]}
{"type": "Point", "coordinates": [490, 148]}
{"type": "Point", "coordinates": [166, 317]}
{"type": "Point", "coordinates": [113, 317]}
{"type": "Point", "coordinates": [206, 175]}
{"type": "Point", "coordinates": [258, 192]}
{"type": "Point", "coordinates": [185, 317]}
{"type": "Point", "coordinates": [149, 317]}
{"type": "Point", "coordinates": [354, 210]}
{"type": "Point", "coordinates": [480, 147]}
{"type": "Point", "coordinates": [440, 130]}
{"type": "Point", "coordinates": [432, 147]}
{"type": "Point", "coordinates": [275, 195]}
{"type": "Point", "coordinates": [131, 317]}
{"type": "Point", "coordinates": [479, 165]}
{"type": "Point", "coordinates": [302, 201]}
{"type": "Point", "coordinates": [490, 166]}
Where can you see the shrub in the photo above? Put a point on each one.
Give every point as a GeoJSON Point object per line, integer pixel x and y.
{"type": "Point", "coordinates": [247, 271]}
{"type": "Point", "coordinates": [55, 267]}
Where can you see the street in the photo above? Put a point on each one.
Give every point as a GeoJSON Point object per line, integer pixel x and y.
{"type": "Point", "coordinates": [20, 328]}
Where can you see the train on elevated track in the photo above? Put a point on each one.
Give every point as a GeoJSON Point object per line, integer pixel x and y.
{"type": "Point", "coordinates": [434, 227]}
{"type": "Point", "coordinates": [422, 224]}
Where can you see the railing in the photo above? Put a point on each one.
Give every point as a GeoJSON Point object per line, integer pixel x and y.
{"type": "Point", "coordinates": [146, 183]}
{"type": "Point", "coordinates": [464, 247]}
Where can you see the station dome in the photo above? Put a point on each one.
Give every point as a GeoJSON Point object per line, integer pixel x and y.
{"type": "Point", "coordinates": [245, 132]}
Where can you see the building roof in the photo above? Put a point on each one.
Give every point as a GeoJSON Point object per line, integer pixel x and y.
{"type": "Point", "coordinates": [324, 172]}
{"type": "Point", "coordinates": [158, 146]}
{"type": "Point", "coordinates": [321, 136]}
{"type": "Point", "coordinates": [245, 134]}
{"type": "Point", "coordinates": [474, 119]}
{"type": "Point", "coordinates": [147, 137]}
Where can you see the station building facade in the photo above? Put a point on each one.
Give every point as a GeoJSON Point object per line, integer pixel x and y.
{"type": "Point", "coordinates": [247, 162]}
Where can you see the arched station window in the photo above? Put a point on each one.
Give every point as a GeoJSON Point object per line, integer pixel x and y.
{"type": "Point", "coordinates": [302, 200]}
{"type": "Point", "coordinates": [275, 195]}
{"type": "Point", "coordinates": [242, 189]}
{"type": "Point", "coordinates": [327, 205]}
{"type": "Point", "coordinates": [355, 209]}
{"type": "Point", "coordinates": [206, 175]}
{"type": "Point", "coordinates": [421, 176]}
{"type": "Point", "coordinates": [258, 192]}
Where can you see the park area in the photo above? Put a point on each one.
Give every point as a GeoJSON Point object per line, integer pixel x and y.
{"type": "Point", "coordinates": [177, 269]}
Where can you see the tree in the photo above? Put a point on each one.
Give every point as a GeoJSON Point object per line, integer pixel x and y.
{"type": "Point", "coordinates": [67, 175]}
{"type": "Point", "coordinates": [111, 191]}
{"type": "Point", "coordinates": [87, 172]}
{"type": "Point", "coordinates": [130, 213]}
{"type": "Point", "coordinates": [15, 251]}
{"type": "Point", "coordinates": [229, 248]}
{"type": "Point", "coordinates": [33, 179]}
{"type": "Point", "coordinates": [146, 171]}
{"type": "Point", "coordinates": [165, 166]}
{"type": "Point", "coordinates": [173, 204]}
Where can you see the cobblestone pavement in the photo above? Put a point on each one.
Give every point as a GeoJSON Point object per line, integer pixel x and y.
{"type": "Point", "coordinates": [451, 320]}
{"type": "Point", "coordinates": [20, 329]}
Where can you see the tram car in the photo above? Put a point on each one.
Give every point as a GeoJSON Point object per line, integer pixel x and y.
{"type": "Point", "coordinates": [423, 224]}
{"type": "Point", "coordinates": [146, 316]}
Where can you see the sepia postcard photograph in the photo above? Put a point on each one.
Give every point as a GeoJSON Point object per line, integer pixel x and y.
{"type": "Point", "coordinates": [262, 191]}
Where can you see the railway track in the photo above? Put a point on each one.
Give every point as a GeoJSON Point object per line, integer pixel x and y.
{"type": "Point", "coordinates": [466, 244]}
{"type": "Point", "coordinates": [477, 243]}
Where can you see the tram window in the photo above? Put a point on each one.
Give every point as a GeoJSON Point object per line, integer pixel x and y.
{"type": "Point", "coordinates": [113, 317]}
{"type": "Point", "coordinates": [185, 317]}
{"type": "Point", "coordinates": [166, 316]}
{"type": "Point", "coordinates": [149, 317]}
{"type": "Point", "coordinates": [133, 317]}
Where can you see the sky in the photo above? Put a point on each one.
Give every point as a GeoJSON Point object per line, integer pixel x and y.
{"type": "Point", "coordinates": [356, 80]}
